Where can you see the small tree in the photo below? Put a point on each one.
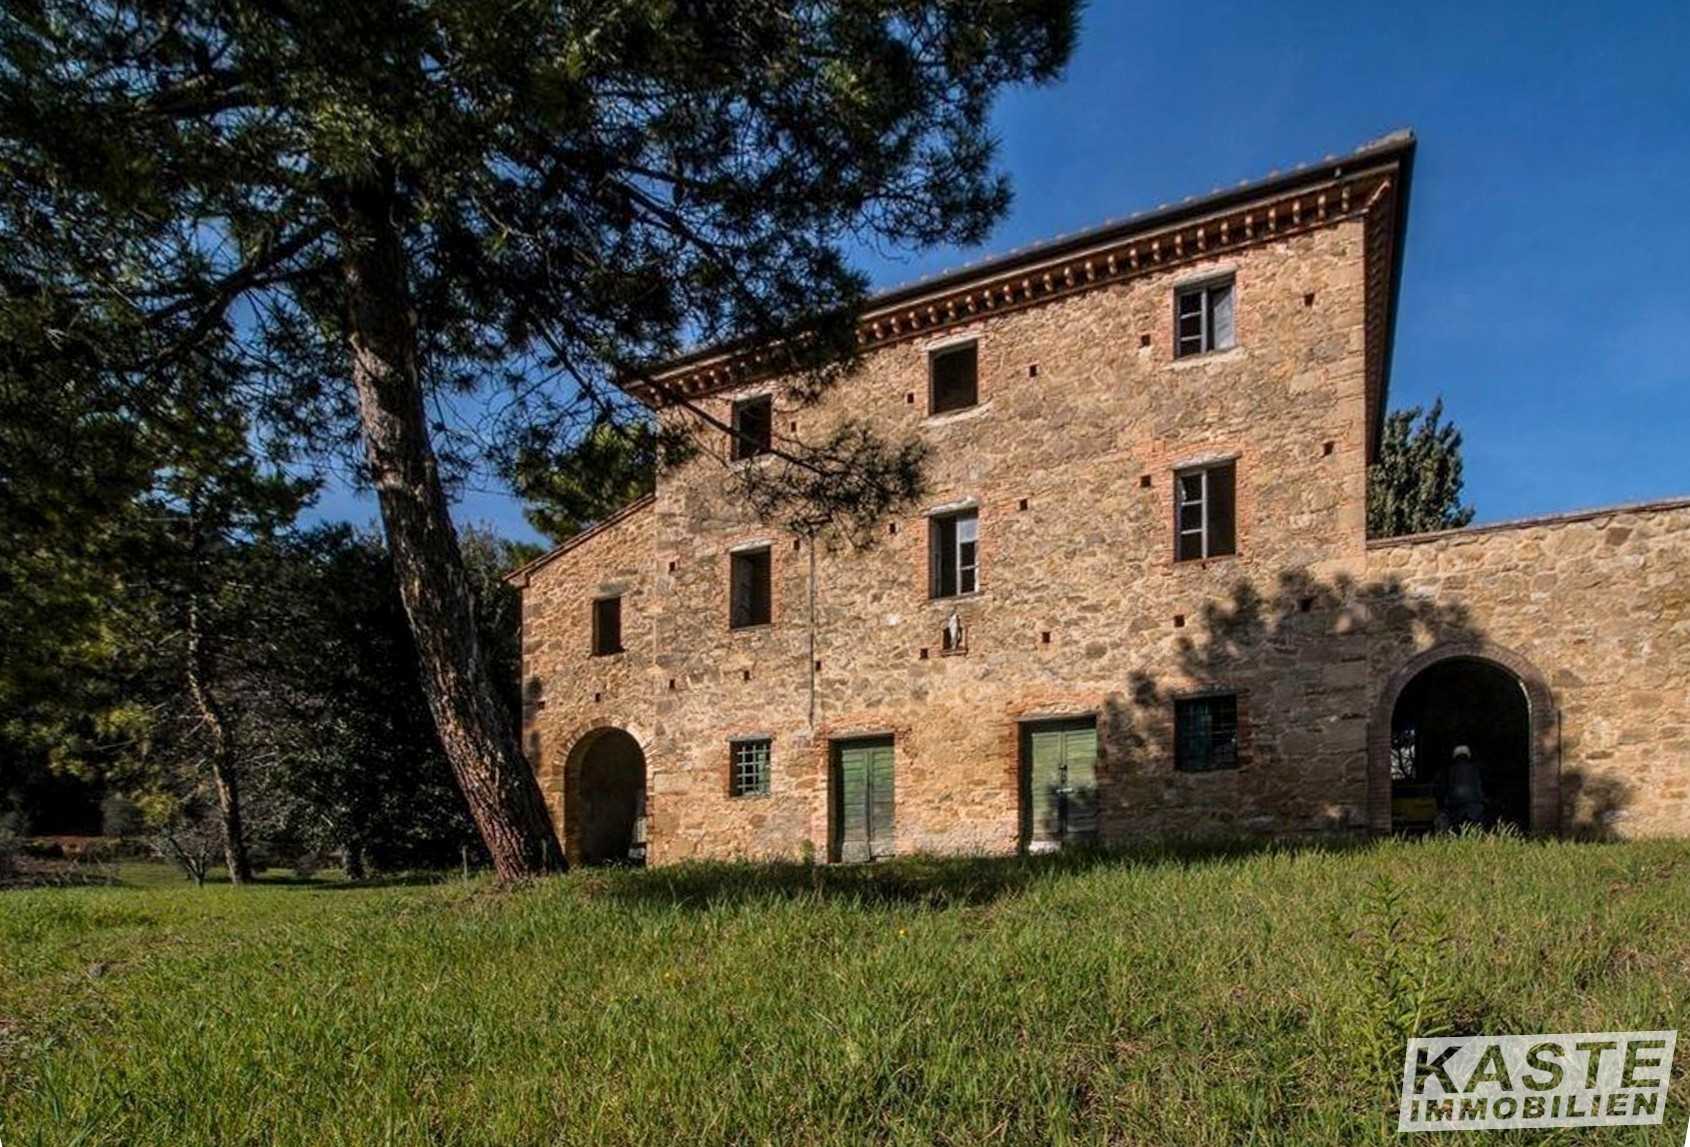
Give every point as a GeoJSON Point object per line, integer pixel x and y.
{"type": "Point", "coordinates": [1415, 486]}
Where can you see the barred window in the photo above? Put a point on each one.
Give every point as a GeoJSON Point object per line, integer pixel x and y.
{"type": "Point", "coordinates": [1206, 733]}
{"type": "Point", "coordinates": [749, 775]}
{"type": "Point", "coordinates": [1203, 318]}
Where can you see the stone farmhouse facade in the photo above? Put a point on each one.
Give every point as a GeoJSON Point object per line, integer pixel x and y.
{"type": "Point", "coordinates": [1139, 598]}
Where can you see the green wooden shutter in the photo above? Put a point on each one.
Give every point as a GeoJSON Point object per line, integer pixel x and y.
{"type": "Point", "coordinates": [1079, 757]}
{"type": "Point", "coordinates": [853, 803]}
{"type": "Point", "coordinates": [880, 793]}
{"type": "Point", "coordinates": [1044, 785]}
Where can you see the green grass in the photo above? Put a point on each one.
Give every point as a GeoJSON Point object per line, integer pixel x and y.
{"type": "Point", "coordinates": [1160, 997]}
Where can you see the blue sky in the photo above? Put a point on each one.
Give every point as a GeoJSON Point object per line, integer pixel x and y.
{"type": "Point", "coordinates": [1546, 293]}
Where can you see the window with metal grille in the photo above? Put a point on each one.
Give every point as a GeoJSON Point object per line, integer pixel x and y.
{"type": "Point", "coordinates": [1205, 512]}
{"type": "Point", "coordinates": [753, 423]}
{"type": "Point", "coordinates": [1206, 733]}
{"type": "Point", "coordinates": [749, 588]}
{"type": "Point", "coordinates": [1203, 318]}
{"type": "Point", "coordinates": [953, 541]}
{"type": "Point", "coordinates": [749, 775]}
{"type": "Point", "coordinates": [955, 378]}
{"type": "Point", "coordinates": [607, 626]}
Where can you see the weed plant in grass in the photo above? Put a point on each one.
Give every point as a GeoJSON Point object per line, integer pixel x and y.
{"type": "Point", "coordinates": [1169, 995]}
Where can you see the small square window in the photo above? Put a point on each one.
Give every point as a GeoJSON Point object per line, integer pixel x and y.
{"type": "Point", "coordinates": [954, 553]}
{"type": "Point", "coordinates": [753, 423]}
{"type": "Point", "coordinates": [607, 626]}
{"type": "Point", "coordinates": [1203, 318]}
{"type": "Point", "coordinates": [749, 771]}
{"type": "Point", "coordinates": [955, 378]}
{"type": "Point", "coordinates": [1206, 733]}
{"type": "Point", "coordinates": [1205, 512]}
{"type": "Point", "coordinates": [749, 590]}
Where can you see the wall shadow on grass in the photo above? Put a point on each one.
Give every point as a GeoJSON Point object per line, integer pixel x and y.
{"type": "Point", "coordinates": [927, 881]}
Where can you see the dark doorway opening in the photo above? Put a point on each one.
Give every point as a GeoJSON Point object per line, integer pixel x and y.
{"type": "Point", "coordinates": [1461, 701]}
{"type": "Point", "coordinates": [605, 800]}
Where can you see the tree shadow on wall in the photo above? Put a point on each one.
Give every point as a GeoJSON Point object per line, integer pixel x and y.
{"type": "Point", "coordinates": [1302, 657]}
{"type": "Point", "coordinates": [1595, 805]}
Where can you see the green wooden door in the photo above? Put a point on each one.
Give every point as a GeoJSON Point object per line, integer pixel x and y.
{"type": "Point", "coordinates": [863, 800]}
{"type": "Point", "coordinates": [1059, 782]}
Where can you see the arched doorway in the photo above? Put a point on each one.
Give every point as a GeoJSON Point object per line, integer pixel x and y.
{"type": "Point", "coordinates": [604, 799]}
{"type": "Point", "coordinates": [1479, 696]}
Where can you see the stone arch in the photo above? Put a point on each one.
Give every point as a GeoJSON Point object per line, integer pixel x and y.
{"type": "Point", "coordinates": [1543, 733]}
{"type": "Point", "coordinates": [603, 806]}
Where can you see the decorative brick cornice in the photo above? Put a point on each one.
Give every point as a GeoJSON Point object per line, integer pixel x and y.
{"type": "Point", "coordinates": [1364, 186]}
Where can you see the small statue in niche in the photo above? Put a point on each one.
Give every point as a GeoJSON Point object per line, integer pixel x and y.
{"type": "Point", "coordinates": [953, 633]}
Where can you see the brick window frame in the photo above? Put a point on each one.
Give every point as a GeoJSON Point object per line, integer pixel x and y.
{"type": "Point", "coordinates": [750, 766]}
{"type": "Point", "coordinates": [753, 422]}
{"type": "Point", "coordinates": [1231, 702]}
{"type": "Point", "coordinates": [607, 626]}
{"type": "Point", "coordinates": [751, 587]}
{"type": "Point", "coordinates": [1205, 510]}
{"type": "Point", "coordinates": [1205, 316]}
{"type": "Point", "coordinates": [953, 377]}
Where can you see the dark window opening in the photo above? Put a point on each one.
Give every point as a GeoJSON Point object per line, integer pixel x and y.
{"type": "Point", "coordinates": [607, 626]}
{"type": "Point", "coordinates": [749, 604]}
{"type": "Point", "coordinates": [1203, 319]}
{"type": "Point", "coordinates": [1205, 512]}
{"type": "Point", "coordinates": [753, 423]}
{"type": "Point", "coordinates": [749, 775]}
{"type": "Point", "coordinates": [953, 542]}
{"type": "Point", "coordinates": [1206, 733]}
{"type": "Point", "coordinates": [955, 375]}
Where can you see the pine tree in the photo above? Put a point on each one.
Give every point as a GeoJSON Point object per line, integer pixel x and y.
{"type": "Point", "coordinates": [1415, 485]}
{"type": "Point", "coordinates": [367, 216]}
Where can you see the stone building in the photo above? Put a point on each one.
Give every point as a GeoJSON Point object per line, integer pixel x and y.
{"type": "Point", "coordinates": [1139, 597]}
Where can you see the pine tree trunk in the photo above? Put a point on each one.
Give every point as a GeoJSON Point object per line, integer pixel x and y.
{"type": "Point", "coordinates": [475, 733]}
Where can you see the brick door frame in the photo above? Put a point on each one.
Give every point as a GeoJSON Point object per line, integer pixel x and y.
{"type": "Point", "coordinates": [1543, 738]}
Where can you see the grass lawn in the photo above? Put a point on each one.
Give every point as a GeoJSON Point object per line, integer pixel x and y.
{"type": "Point", "coordinates": [1158, 997]}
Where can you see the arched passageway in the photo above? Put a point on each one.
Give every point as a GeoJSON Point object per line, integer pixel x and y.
{"type": "Point", "coordinates": [1461, 748]}
{"type": "Point", "coordinates": [604, 799]}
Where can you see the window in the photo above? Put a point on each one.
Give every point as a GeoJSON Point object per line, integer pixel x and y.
{"type": "Point", "coordinates": [749, 775]}
{"type": "Point", "coordinates": [955, 378]}
{"type": "Point", "coordinates": [753, 423]}
{"type": "Point", "coordinates": [749, 592]}
{"type": "Point", "coordinates": [1205, 509]}
{"type": "Point", "coordinates": [954, 541]}
{"type": "Point", "coordinates": [1203, 318]}
{"type": "Point", "coordinates": [1206, 733]}
{"type": "Point", "coordinates": [607, 626]}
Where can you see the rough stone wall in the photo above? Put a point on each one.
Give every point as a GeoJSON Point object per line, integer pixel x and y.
{"type": "Point", "coordinates": [1598, 607]}
{"type": "Point", "coordinates": [567, 692]}
{"type": "Point", "coordinates": [1088, 561]}
{"type": "Point", "coordinates": [1084, 415]}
